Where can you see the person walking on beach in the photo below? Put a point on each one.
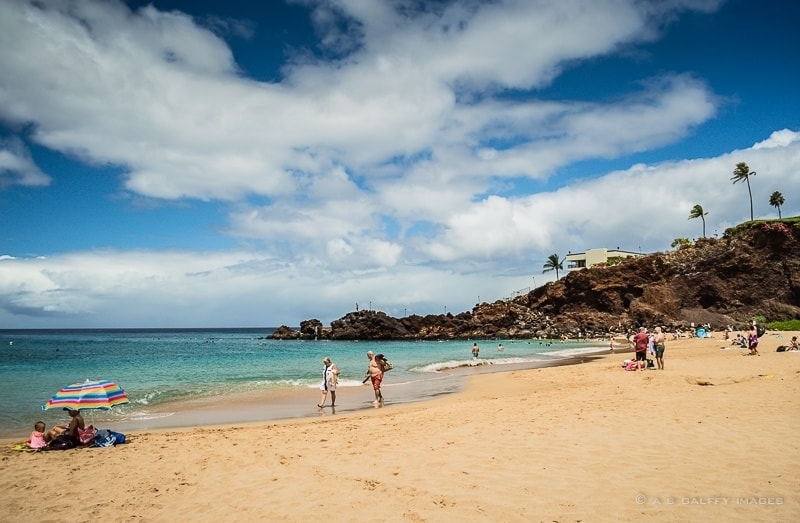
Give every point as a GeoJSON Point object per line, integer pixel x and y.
{"type": "Point", "coordinates": [640, 341]}
{"type": "Point", "coordinates": [475, 350]}
{"type": "Point", "coordinates": [658, 341]}
{"type": "Point", "coordinates": [375, 374]}
{"type": "Point", "coordinates": [330, 378]}
{"type": "Point", "coordinates": [752, 341]}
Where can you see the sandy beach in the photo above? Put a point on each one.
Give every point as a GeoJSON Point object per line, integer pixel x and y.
{"type": "Point", "coordinates": [713, 437]}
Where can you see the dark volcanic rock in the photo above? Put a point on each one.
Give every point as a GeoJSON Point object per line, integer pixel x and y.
{"type": "Point", "coordinates": [286, 333]}
{"type": "Point", "coordinates": [753, 270]}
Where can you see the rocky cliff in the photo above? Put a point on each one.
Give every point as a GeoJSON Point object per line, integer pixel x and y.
{"type": "Point", "coordinates": [753, 270]}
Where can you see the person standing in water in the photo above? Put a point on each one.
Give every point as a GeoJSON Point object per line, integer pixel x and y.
{"type": "Point", "coordinates": [330, 378]}
{"type": "Point", "coordinates": [375, 374]}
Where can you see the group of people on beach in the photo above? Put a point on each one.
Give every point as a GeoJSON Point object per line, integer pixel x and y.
{"type": "Point", "coordinates": [70, 435]}
{"type": "Point", "coordinates": [750, 340]}
{"type": "Point", "coordinates": [376, 368]}
{"type": "Point", "coordinates": [652, 343]}
{"type": "Point", "coordinates": [645, 343]}
{"type": "Point", "coordinates": [41, 438]}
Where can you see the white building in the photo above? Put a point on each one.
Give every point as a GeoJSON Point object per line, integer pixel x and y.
{"type": "Point", "coordinates": [594, 257]}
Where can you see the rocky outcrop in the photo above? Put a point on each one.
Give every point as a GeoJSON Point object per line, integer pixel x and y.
{"type": "Point", "coordinates": [753, 270]}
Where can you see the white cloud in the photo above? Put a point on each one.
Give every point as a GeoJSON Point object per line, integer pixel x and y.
{"type": "Point", "coordinates": [644, 207]}
{"type": "Point", "coordinates": [780, 138]}
{"type": "Point", "coordinates": [161, 97]}
{"type": "Point", "coordinates": [388, 176]}
{"type": "Point", "coordinates": [492, 249]}
{"type": "Point", "coordinates": [17, 167]}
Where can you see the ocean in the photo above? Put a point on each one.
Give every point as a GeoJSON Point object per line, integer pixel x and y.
{"type": "Point", "coordinates": [165, 370]}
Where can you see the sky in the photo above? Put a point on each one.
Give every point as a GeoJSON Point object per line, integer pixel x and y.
{"type": "Point", "coordinates": [184, 163]}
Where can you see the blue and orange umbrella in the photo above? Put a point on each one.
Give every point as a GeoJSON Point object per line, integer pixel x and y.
{"type": "Point", "coordinates": [101, 394]}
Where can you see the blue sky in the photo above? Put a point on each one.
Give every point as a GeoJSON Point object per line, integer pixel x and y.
{"type": "Point", "coordinates": [190, 164]}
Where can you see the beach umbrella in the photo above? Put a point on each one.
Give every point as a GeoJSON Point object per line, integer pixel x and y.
{"type": "Point", "coordinates": [100, 394]}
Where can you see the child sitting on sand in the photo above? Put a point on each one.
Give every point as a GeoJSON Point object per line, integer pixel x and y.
{"type": "Point", "coordinates": [36, 441]}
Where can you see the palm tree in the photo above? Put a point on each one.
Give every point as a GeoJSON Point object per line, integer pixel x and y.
{"type": "Point", "coordinates": [552, 263]}
{"type": "Point", "coordinates": [697, 212]}
{"type": "Point", "coordinates": [742, 172]}
{"type": "Point", "coordinates": [776, 200]}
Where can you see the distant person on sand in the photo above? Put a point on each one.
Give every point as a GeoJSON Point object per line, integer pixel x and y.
{"type": "Point", "coordinates": [330, 378]}
{"type": "Point", "coordinates": [752, 341]}
{"type": "Point", "coordinates": [658, 342]}
{"type": "Point", "coordinates": [793, 344]}
{"type": "Point", "coordinates": [375, 374]}
{"type": "Point", "coordinates": [475, 350]}
{"type": "Point", "coordinates": [640, 341]}
{"type": "Point", "coordinates": [742, 341]}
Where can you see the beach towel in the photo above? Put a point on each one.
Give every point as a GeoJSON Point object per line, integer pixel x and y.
{"type": "Point", "coordinates": [23, 447]}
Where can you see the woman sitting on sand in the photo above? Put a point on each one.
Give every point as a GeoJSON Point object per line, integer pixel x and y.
{"type": "Point", "coordinates": [74, 424]}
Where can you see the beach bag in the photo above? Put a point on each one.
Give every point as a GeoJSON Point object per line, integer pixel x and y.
{"type": "Point", "coordinates": [86, 436]}
{"type": "Point", "coordinates": [383, 363]}
{"type": "Point", "coordinates": [107, 438]}
{"type": "Point", "coordinates": [760, 331]}
{"type": "Point", "coordinates": [781, 348]}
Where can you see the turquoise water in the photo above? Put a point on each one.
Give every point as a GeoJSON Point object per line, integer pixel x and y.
{"type": "Point", "coordinates": [162, 367]}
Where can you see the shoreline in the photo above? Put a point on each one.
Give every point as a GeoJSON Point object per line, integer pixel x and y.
{"type": "Point", "coordinates": [297, 404]}
{"type": "Point", "coordinates": [713, 437]}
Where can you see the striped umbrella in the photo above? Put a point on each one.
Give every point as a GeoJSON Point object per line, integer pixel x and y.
{"type": "Point", "coordinates": [101, 394]}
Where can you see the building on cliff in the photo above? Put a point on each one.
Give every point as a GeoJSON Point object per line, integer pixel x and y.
{"type": "Point", "coordinates": [598, 257]}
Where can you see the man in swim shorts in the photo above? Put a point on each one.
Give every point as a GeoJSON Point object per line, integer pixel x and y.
{"type": "Point", "coordinates": [375, 374]}
{"type": "Point", "coordinates": [658, 342]}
